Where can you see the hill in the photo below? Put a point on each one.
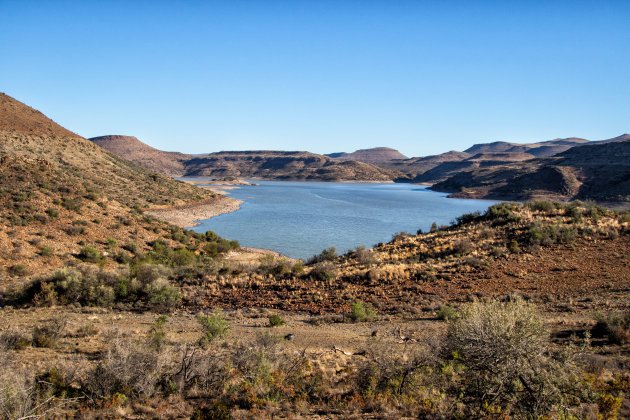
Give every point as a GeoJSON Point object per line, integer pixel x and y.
{"type": "Point", "coordinates": [253, 164]}
{"type": "Point", "coordinates": [132, 149]}
{"type": "Point", "coordinates": [63, 195]}
{"type": "Point", "coordinates": [597, 171]}
{"type": "Point", "coordinates": [375, 155]}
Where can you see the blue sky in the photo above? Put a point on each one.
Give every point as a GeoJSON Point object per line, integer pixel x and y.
{"type": "Point", "coordinates": [324, 76]}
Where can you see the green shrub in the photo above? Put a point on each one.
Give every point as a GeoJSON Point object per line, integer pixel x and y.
{"type": "Point", "coordinates": [46, 251]}
{"type": "Point", "coordinates": [446, 313]}
{"type": "Point", "coordinates": [157, 333]}
{"type": "Point", "coordinates": [214, 326]}
{"type": "Point", "coordinates": [276, 321]}
{"type": "Point", "coordinates": [162, 295]}
{"type": "Point", "coordinates": [328, 254]}
{"type": "Point", "coordinates": [503, 213]}
{"type": "Point", "coordinates": [361, 312]}
{"type": "Point", "coordinates": [468, 218]}
{"type": "Point", "coordinates": [545, 235]}
{"type": "Point", "coordinates": [90, 254]}
{"type": "Point", "coordinates": [542, 206]}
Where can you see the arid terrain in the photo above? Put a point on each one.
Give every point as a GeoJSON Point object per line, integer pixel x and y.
{"type": "Point", "coordinates": [108, 310]}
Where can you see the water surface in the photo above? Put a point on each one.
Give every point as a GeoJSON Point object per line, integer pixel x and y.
{"type": "Point", "coordinates": [300, 219]}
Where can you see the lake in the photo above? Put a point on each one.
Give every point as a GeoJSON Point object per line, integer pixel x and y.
{"type": "Point", "coordinates": [299, 219]}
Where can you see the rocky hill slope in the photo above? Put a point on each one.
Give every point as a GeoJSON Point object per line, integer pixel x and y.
{"type": "Point", "coordinates": [132, 149]}
{"type": "Point", "coordinates": [598, 171]}
{"type": "Point", "coordinates": [64, 199]}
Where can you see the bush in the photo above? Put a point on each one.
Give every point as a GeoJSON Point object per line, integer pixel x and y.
{"type": "Point", "coordinates": [213, 326]}
{"type": "Point", "coordinates": [361, 312]}
{"type": "Point", "coordinates": [14, 340]}
{"type": "Point", "coordinates": [48, 335]}
{"type": "Point", "coordinates": [18, 270]}
{"type": "Point", "coordinates": [468, 218]}
{"type": "Point", "coordinates": [615, 326]}
{"type": "Point", "coordinates": [162, 295]}
{"type": "Point", "coordinates": [364, 255]}
{"type": "Point", "coordinates": [446, 313]}
{"type": "Point", "coordinates": [545, 235]}
{"type": "Point", "coordinates": [328, 254]}
{"type": "Point", "coordinates": [324, 271]}
{"type": "Point", "coordinates": [90, 254]}
{"type": "Point", "coordinates": [504, 351]}
{"type": "Point", "coordinates": [276, 321]}
{"type": "Point", "coordinates": [542, 206]}
{"type": "Point", "coordinates": [503, 213]}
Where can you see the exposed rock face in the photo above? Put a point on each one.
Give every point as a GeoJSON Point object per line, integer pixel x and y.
{"type": "Point", "coordinates": [375, 155]}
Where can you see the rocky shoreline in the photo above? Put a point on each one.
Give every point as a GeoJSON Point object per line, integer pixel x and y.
{"type": "Point", "coordinates": [188, 215]}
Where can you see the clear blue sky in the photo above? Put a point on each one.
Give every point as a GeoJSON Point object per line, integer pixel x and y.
{"type": "Point", "coordinates": [325, 76]}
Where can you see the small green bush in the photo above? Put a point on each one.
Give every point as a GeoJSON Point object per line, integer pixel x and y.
{"type": "Point", "coordinates": [328, 254]}
{"type": "Point", "coordinates": [446, 313]}
{"type": "Point", "coordinates": [48, 335]}
{"type": "Point", "coordinates": [214, 326]}
{"type": "Point", "coordinates": [276, 321]}
{"type": "Point", "coordinates": [361, 312]}
{"type": "Point", "coordinates": [90, 254]}
{"type": "Point", "coordinates": [18, 270]}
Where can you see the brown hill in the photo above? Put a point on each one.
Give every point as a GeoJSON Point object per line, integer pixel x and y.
{"type": "Point", "coordinates": [19, 118]}
{"type": "Point", "coordinates": [595, 171]}
{"type": "Point", "coordinates": [540, 149]}
{"type": "Point", "coordinates": [61, 193]}
{"type": "Point", "coordinates": [375, 155]}
{"type": "Point", "coordinates": [480, 160]}
{"type": "Point", "coordinates": [132, 149]}
{"type": "Point", "coordinates": [254, 164]}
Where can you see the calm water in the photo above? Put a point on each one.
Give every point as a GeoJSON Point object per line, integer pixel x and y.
{"type": "Point", "coordinates": [300, 219]}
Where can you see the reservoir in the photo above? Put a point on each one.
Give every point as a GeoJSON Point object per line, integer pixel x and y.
{"type": "Point", "coordinates": [299, 219]}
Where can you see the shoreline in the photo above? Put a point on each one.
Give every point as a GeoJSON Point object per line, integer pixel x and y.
{"type": "Point", "coordinates": [188, 215]}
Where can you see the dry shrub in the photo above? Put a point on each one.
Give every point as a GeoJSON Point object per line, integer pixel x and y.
{"type": "Point", "coordinates": [507, 363]}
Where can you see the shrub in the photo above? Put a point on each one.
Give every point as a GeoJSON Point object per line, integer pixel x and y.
{"type": "Point", "coordinates": [90, 254]}
{"type": "Point", "coordinates": [18, 270]}
{"type": "Point", "coordinates": [361, 312]}
{"type": "Point", "coordinates": [446, 313]}
{"type": "Point", "coordinates": [213, 326]}
{"type": "Point", "coordinates": [468, 218]}
{"type": "Point", "coordinates": [324, 271]}
{"type": "Point", "coordinates": [14, 340]}
{"type": "Point", "coordinates": [463, 247]}
{"type": "Point", "coordinates": [546, 235]}
{"type": "Point", "coordinates": [73, 204]}
{"type": "Point", "coordinates": [162, 295]}
{"type": "Point", "coordinates": [615, 326]}
{"type": "Point", "coordinates": [503, 213]}
{"type": "Point", "coordinates": [328, 254]}
{"type": "Point", "coordinates": [504, 350]}
{"type": "Point", "coordinates": [46, 251]}
{"type": "Point", "coordinates": [364, 255]}
{"type": "Point", "coordinates": [542, 206]}
{"type": "Point", "coordinates": [157, 333]}
{"type": "Point", "coordinates": [276, 321]}
{"type": "Point", "coordinates": [48, 335]}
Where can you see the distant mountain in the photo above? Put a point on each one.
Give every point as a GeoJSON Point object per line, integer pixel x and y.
{"type": "Point", "coordinates": [598, 171]}
{"type": "Point", "coordinates": [375, 155]}
{"type": "Point", "coordinates": [252, 164]}
{"type": "Point", "coordinates": [541, 149]}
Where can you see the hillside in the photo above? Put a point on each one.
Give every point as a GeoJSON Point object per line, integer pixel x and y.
{"type": "Point", "coordinates": [132, 149]}
{"type": "Point", "coordinates": [375, 155]}
{"type": "Point", "coordinates": [62, 194]}
{"type": "Point", "coordinates": [540, 149]}
{"type": "Point", "coordinates": [598, 171]}
{"type": "Point", "coordinates": [254, 164]}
